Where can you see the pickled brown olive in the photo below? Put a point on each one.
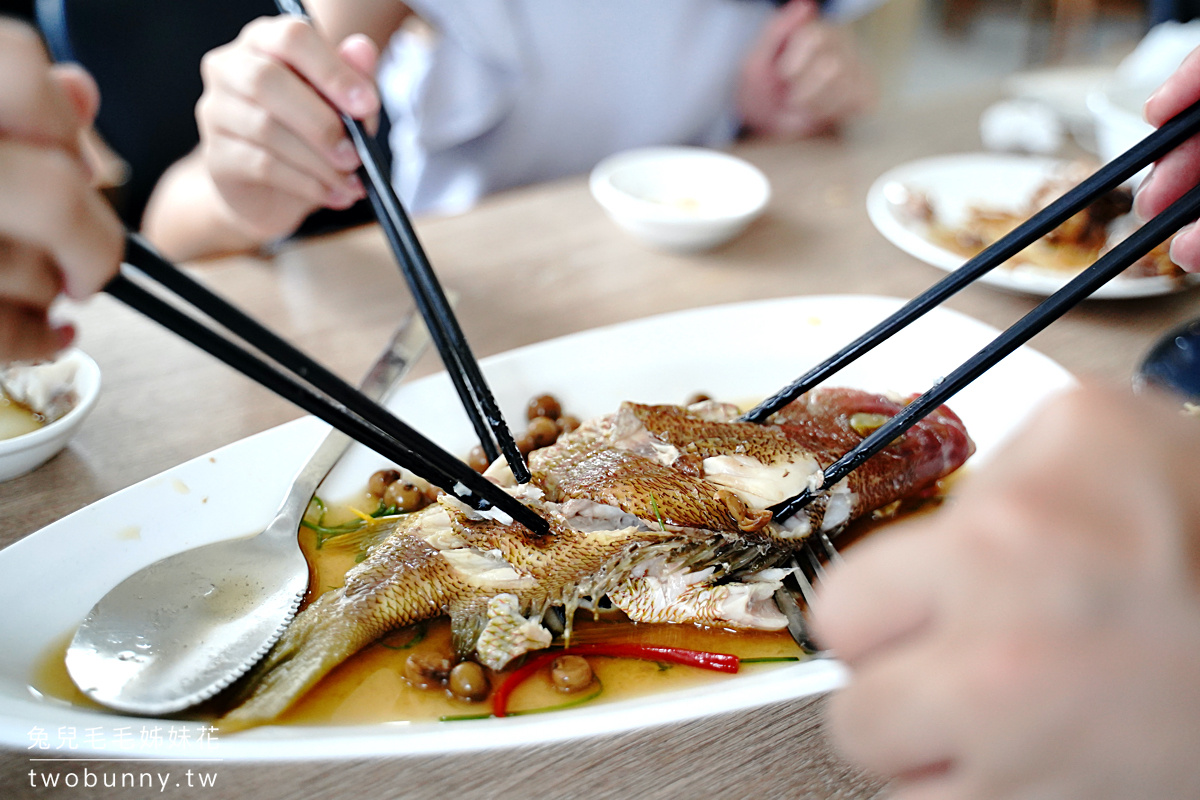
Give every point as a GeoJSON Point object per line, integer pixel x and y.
{"type": "Point", "coordinates": [542, 432]}
{"type": "Point", "coordinates": [469, 681]}
{"type": "Point", "coordinates": [545, 405]}
{"type": "Point", "coordinates": [381, 480]}
{"type": "Point", "coordinates": [426, 670]}
{"type": "Point", "coordinates": [567, 423]}
{"type": "Point", "coordinates": [404, 496]}
{"type": "Point", "coordinates": [525, 444]}
{"type": "Point", "coordinates": [570, 673]}
{"type": "Point", "coordinates": [477, 459]}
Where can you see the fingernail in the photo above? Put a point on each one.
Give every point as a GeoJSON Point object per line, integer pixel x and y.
{"type": "Point", "coordinates": [360, 101]}
{"type": "Point", "coordinates": [344, 155]}
{"type": "Point", "coordinates": [355, 185]}
{"type": "Point", "coordinates": [1138, 202]}
{"type": "Point", "coordinates": [1149, 100]}
{"type": "Point", "coordinates": [1185, 230]}
{"type": "Point", "coordinates": [90, 172]}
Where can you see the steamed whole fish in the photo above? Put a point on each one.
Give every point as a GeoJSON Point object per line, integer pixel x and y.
{"type": "Point", "coordinates": [662, 509]}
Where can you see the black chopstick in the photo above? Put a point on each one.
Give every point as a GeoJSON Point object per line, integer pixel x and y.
{"type": "Point", "coordinates": [314, 388]}
{"type": "Point", "coordinates": [486, 417]}
{"type": "Point", "coordinates": [1173, 133]}
{"type": "Point", "coordinates": [490, 426]}
{"type": "Point", "coordinates": [1112, 264]}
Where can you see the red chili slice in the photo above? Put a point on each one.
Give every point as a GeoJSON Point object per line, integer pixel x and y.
{"type": "Point", "coordinates": [719, 662]}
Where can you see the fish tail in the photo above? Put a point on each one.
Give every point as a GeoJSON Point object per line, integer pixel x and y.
{"type": "Point", "coordinates": [315, 643]}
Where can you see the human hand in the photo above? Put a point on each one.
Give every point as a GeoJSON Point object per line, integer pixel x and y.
{"type": "Point", "coordinates": [1040, 637]}
{"type": "Point", "coordinates": [803, 77]}
{"type": "Point", "coordinates": [1179, 170]}
{"type": "Point", "coordinates": [57, 234]}
{"type": "Point", "coordinates": [270, 133]}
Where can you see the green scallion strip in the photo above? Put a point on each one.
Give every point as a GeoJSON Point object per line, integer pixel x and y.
{"type": "Point", "coordinates": [325, 532]}
{"type": "Point", "coordinates": [657, 514]}
{"type": "Point", "coordinates": [334, 530]}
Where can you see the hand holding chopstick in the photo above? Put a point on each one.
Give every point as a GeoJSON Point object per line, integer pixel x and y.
{"type": "Point", "coordinates": [904, 602]}
{"type": "Point", "coordinates": [493, 432]}
{"type": "Point", "coordinates": [309, 385]}
{"type": "Point", "coordinates": [86, 252]}
{"type": "Point", "coordinates": [57, 234]}
{"type": "Point", "coordinates": [1186, 209]}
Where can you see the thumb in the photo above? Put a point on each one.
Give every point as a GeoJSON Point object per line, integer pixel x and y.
{"type": "Point", "coordinates": [360, 53]}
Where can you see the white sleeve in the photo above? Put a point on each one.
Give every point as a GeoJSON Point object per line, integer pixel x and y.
{"type": "Point", "coordinates": [850, 10]}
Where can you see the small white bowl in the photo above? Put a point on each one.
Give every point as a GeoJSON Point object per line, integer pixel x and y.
{"type": "Point", "coordinates": [683, 199]}
{"type": "Point", "coordinates": [26, 452]}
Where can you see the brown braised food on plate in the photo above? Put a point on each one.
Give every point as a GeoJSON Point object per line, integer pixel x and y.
{"type": "Point", "coordinates": [1073, 246]}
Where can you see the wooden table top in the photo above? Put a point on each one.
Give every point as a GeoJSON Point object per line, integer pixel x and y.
{"type": "Point", "coordinates": [528, 265]}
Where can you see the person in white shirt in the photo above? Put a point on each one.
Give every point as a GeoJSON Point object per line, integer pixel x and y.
{"type": "Point", "coordinates": [488, 95]}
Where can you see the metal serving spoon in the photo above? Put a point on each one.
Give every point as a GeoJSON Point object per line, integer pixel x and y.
{"type": "Point", "coordinates": [182, 629]}
{"type": "Point", "coordinates": [1173, 363]}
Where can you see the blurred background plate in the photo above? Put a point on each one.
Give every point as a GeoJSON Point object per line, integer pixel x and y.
{"type": "Point", "coordinates": [954, 184]}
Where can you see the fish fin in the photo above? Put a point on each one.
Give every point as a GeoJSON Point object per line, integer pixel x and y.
{"type": "Point", "coordinates": [467, 620]}
{"type": "Point", "coordinates": [316, 642]}
{"type": "Point", "coordinates": [509, 632]}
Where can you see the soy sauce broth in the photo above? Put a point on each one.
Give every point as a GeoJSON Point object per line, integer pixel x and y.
{"type": "Point", "coordinates": [370, 686]}
{"type": "Point", "coordinates": [16, 419]}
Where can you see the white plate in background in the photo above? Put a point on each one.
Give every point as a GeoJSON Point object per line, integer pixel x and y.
{"type": "Point", "coordinates": [746, 350]}
{"type": "Point", "coordinates": [953, 185]}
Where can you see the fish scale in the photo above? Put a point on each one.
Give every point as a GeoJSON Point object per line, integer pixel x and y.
{"type": "Point", "coordinates": [707, 438]}
{"type": "Point", "coordinates": [646, 489]}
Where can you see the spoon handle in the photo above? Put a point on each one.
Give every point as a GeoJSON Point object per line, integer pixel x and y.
{"type": "Point", "coordinates": [406, 346]}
